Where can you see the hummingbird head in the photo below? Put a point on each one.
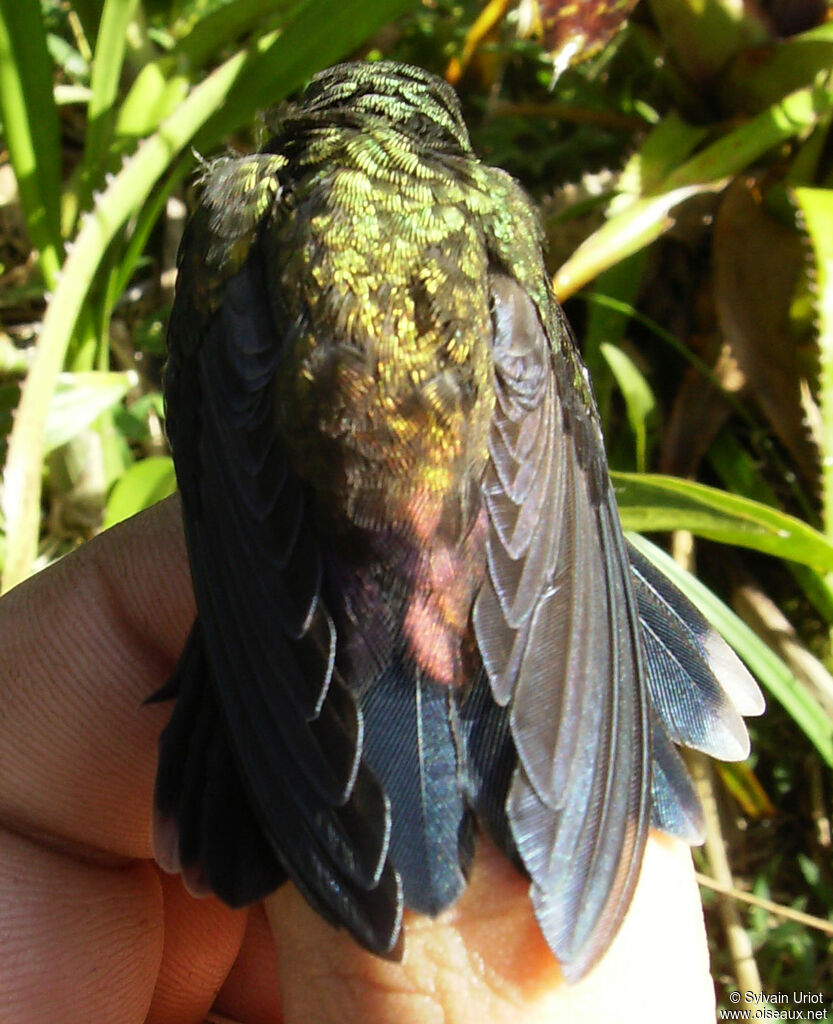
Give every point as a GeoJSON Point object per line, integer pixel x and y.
{"type": "Point", "coordinates": [356, 94]}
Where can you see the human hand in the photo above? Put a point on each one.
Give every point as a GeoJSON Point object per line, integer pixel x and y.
{"type": "Point", "coordinates": [91, 930]}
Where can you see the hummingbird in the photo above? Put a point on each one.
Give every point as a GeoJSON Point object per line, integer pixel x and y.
{"type": "Point", "coordinates": [418, 619]}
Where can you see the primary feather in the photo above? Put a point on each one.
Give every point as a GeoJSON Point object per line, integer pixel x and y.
{"type": "Point", "coordinates": [417, 610]}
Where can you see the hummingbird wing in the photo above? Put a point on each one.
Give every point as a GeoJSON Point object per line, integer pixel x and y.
{"type": "Point", "coordinates": [595, 664]}
{"type": "Point", "coordinates": [261, 659]}
{"type": "Point", "coordinates": [204, 824]}
{"type": "Point", "coordinates": [557, 627]}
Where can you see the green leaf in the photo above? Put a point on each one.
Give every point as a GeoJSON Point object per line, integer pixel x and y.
{"type": "Point", "coordinates": [704, 35]}
{"type": "Point", "coordinates": [640, 403]}
{"type": "Point", "coordinates": [122, 270]}
{"type": "Point", "coordinates": [757, 78]}
{"type": "Point", "coordinates": [649, 503]}
{"type": "Point", "coordinates": [816, 207]}
{"type": "Point", "coordinates": [107, 64]}
{"type": "Point", "coordinates": [127, 191]}
{"type": "Point", "coordinates": [794, 115]}
{"type": "Point", "coordinates": [668, 143]}
{"type": "Point", "coordinates": [646, 219]}
{"type": "Point", "coordinates": [67, 58]}
{"type": "Point", "coordinates": [30, 126]}
{"type": "Point", "coordinates": [607, 324]}
{"type": "Point", "coordinates": [79, 400]}
{"type": "Point", "coordinates": [144, 484]}
{"type": "Point", "coordinates": [202, 39]}
{"type": "Point", "coordinates": [643, 222]}
{"type": "Point", "coordinates": [153, 96]}
{"type": "Point", "coordinates": [768, 668]}
{"type": "Point", "coordinates": [89, 13]}
{"type": "Point", "coordinates": [163, 84]}
{"type": "Point", "coordinates": [740, 472]}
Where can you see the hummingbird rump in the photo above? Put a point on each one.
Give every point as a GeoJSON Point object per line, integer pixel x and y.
{"type": "Point", "coordinates": [417, 613]}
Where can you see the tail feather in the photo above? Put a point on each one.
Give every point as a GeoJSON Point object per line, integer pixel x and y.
{"type": "Point", "coordinates": [490, 763]}
{"type": "Point", "coordinates": [699, 688]}
{"type": "Point", "coordinates": [411, 747]}
{"type": "Point", "coordinates": [675, 806]}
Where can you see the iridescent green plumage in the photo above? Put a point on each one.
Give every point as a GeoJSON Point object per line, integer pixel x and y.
{"type": "Point", "coordinates": [384, 227]}
{"type": "Point", "coordinates": [416, 607]}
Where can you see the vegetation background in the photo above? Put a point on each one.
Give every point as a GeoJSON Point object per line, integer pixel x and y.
{"type": "Point", "coordinates": [682, 154]}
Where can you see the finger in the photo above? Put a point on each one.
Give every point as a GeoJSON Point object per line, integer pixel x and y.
{"type": "Point", "coordinates": [659, 958]}
{"type": "Point", "coordinates": [84, 643]}
{"type": "Point", "coordinates": [78, 942]}
{"type": "Point", "coordinates": [202, 939]}
{"type": "Point", "coordinates": [485, 959]}
{"type": "Point", "coordinates": [251, 992]}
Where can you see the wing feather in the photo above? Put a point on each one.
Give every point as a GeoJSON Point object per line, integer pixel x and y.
{"type": "Point", "coordinates": [212, 831]}
{"type": "Point", "coordinates": [289, 724]}
{"type": "Point", "coordinates": [557, 629]}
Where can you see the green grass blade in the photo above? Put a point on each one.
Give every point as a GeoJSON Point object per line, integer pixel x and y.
{"type": "Point", "coordinates": [162, 84]}
{"type": "Point", "coordinates": [816, 209]}
{"type": "Point", "coordinates": [606, 325]}
{"type": "Point", "coordinates": [30, 122]}
{"type": "Point", "coordinates": [108, 61]}
{"type": "Point", "coordinates": [650, 502]}
{"type": "Point", "coordinates": [148, 216]}
{"type": "Point", "coordinates": [640, 403]}
{"type": "Point", "coordinates": [157, 91]}
{"type": "Point", "coordinates": [669, 143]}
{"type": "Point", "coordinates": [89, 14]}
{"type": "Point", "coordinates": [740, 473]}
{"type": "Point", "coordinates": [626, 233]}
